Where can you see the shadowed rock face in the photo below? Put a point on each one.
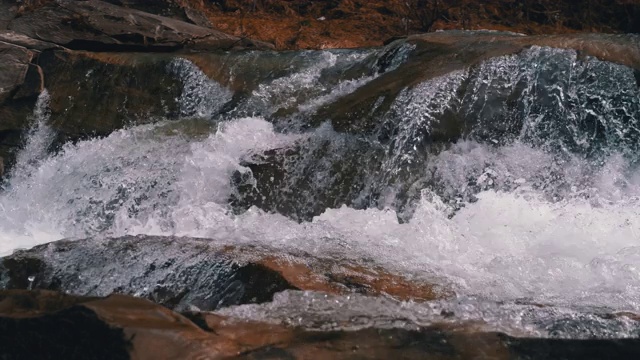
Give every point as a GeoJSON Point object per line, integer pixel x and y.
{"type": "Point", "coordinates": [50, 325]}
{"type": "Point", "coordinates": [95, 94]}
{"type": "Point", "coordinates": [20, 84]}
{"type": "Point", "coordinates": [181, 273]}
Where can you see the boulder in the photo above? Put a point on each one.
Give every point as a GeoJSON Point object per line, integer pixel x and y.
{"type": "Point", "coordinates": [182, 273]}
{"type": "Point", "coordinates": [100, 26]}
{"type": "Point", "coordinates": [286, 180]}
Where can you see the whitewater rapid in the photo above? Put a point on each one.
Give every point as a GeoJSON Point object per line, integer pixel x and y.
{"type": "Point", "coordinates": [521, 236]}
{"type": "Point", "coordinates": [506, 245]}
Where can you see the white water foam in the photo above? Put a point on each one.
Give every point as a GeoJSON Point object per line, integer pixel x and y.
{"type": "Point", "coordinates": [504, 246]}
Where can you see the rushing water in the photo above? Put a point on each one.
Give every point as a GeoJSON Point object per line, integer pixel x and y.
{"type": "Point", "coordinates": [540, 202]}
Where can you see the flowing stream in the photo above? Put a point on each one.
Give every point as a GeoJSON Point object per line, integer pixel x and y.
{"type": "Point", "coordinates": [538, 203]}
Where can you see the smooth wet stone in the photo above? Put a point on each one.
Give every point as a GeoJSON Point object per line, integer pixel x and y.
{"type": "Point", "coordinates": [184, 273]}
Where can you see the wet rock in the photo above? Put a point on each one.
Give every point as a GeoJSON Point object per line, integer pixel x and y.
{"type": "Point", "coordinates": [45, 325]}
{"type": "Point", "coordinates": [50, 325]}
{"type": "Point", "coordinates": [292, 182]}
{"type": "Point", "coordinates": [20, 83]}
{"type": "Point", "coordinates": [99, 26]}
{"type": "Point", "coordinates": [183, 273]}
{"type": "Point", "coordinates": [97, 93]}
{"type": "Point", "coordinates": [8, 11]}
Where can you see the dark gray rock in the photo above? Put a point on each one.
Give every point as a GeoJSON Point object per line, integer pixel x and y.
{"type": "Point", "coordinates": [99, 26]}
{"type": "Point", "coordinates": [20, 82]}
{"type": "Point", "coordinates": [7, 13]}
{"type": "Point", "coordinates": [15, 64]}
{"type": "Point", "coordinates": [15, 38]}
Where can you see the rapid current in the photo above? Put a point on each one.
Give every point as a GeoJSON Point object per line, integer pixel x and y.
{"type": "Point", "coordinates": [539, 203]}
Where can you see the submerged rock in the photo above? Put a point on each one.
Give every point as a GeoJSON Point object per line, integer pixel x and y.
{"type": "Point", "coordinates": [182, 273]}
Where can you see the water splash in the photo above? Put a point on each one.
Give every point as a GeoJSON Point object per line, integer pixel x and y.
{"type": "Point", "coordinates": [201, 96]}
{"type": "Point", "coordinates": [537, 217]}
{"type": "Point", "coordinates": [37, 143]}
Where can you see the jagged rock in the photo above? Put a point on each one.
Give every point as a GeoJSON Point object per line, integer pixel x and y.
{"type": "Point", "coordinates": [50, 325]}
{"type": "Point", "coordinates": [182, 272]}
{"type": "Point", "coordinates": [100, 26]}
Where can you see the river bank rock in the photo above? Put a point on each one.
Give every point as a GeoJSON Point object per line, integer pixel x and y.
{"type": "Point", "coordinates": [185, 273]}
{"type": "Point", "coordinates": [50, 325]}
{"type": "Point", "coordinates": [100, 26]}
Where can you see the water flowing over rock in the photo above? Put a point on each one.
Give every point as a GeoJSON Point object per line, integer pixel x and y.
{"type": "Point", "coordinates": [445, 188]}
{"type": "Point", "coordinates": [185, 273]}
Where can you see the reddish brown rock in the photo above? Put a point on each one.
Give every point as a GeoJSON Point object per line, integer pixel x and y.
{"type": "Point", "coordinates": [50, 325]}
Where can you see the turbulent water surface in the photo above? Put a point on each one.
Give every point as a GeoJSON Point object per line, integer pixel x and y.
{"type": "Point", "coordinates": [539, 203]}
